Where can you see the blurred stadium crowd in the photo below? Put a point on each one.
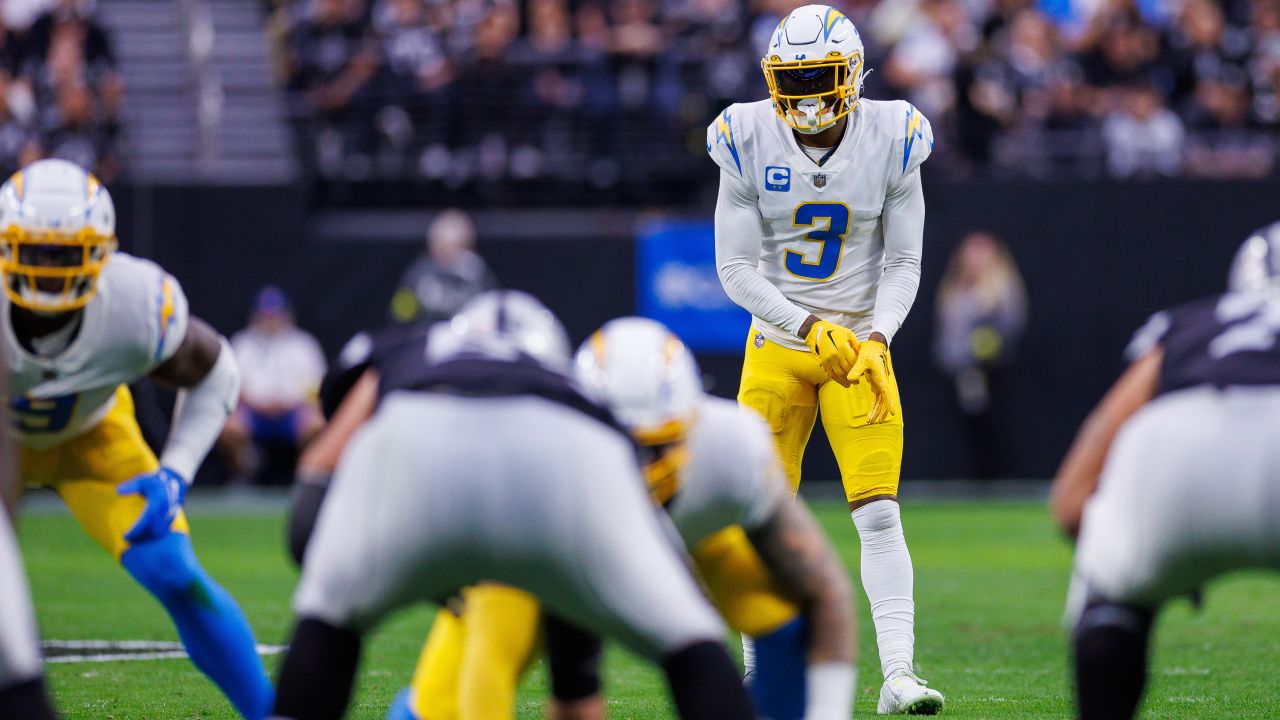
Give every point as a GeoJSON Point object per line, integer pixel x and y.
{"type": "Point", "coordinates": [593, 90]}
{"type": "Point", "coordinates": [60, 91]}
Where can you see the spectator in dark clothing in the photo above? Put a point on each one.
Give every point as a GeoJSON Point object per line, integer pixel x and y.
{"type": "Point", "coordinates": [552, 100]}
{"type": "Point", "coordinates": [417, 78]}
{"type": "Point", "coordinates": [67, 46]}
{"type": "Point", "coordinates": [78, 136]}
{"type": "Point", "coordinates": [1126, 55]}
{"type": "Point", "coordinates": [1204, 46]}
{"type": "Point", "coordinates": [446, 276]}
{"type": "Point", "coordinates": [1224, 143]}
{"type": "Point", "coordinates": [333, 58]}
{"type": "Point", "coordinates": [985, 105]}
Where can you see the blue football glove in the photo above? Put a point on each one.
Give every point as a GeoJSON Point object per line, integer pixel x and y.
{"type": "Point", "coordinates": [164, 492]}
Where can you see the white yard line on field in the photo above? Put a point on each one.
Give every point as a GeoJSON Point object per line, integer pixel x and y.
{"type": "Point", "coordinates": [96, 651]}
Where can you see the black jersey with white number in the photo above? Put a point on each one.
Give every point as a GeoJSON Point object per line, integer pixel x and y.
{"type": "Point", "coordinates": [1222, 341]}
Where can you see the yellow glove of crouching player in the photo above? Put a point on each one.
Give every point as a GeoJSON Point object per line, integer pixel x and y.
{"type": "Point", "coordinates": [836, 348]}
{"type": "Point", "coordinates": [873, 366]}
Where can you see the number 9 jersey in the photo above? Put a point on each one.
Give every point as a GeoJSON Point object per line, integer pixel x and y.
{"type": "Point", "coordinates": [822, 241]}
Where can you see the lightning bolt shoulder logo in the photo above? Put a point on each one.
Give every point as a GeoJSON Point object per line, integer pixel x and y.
{"type": "Point", "coordinates": [914, 130]}
{"type": "Point", "coordinates": [724, 135]}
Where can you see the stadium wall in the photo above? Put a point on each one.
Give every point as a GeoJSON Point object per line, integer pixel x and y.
{"type": "Point", "coordinates": [1097, 260]}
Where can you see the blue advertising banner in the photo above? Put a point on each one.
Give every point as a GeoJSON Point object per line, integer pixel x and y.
{"type": "Point", "coordinates": [677, 285]}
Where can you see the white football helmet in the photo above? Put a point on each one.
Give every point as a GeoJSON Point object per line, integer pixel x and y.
{"type": "Point", "coordinates": [814, 67]}
{"type": "Point", "coordinates": [1256, 266]}
{"type": "Point", "coordinates": [57, 231]}
{"type": "Point", "coordinates": [649, 380]}
{"type": "Point", "coordinates": [503, 324]}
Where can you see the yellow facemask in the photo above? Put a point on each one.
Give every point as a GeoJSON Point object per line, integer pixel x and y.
{"type": "Point", "coordinates": [811, 95]}
{"type": "Point", "coordinates": [52, 271]}
{"type": "Point", "coordinates": [665, 452]}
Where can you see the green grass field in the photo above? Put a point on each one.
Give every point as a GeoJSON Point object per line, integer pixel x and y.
{"type": "Point", "coordinates": [990, 580]}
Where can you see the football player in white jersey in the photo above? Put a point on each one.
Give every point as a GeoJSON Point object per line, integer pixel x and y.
{"type": "Point", "coordinates": [22, 690]}
{"type": "Point", "coordinates": [818, 231]}
{"type": "Point", "coordinates": [80, 322]}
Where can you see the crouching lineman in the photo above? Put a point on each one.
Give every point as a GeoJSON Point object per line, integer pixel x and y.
{"type": "Point", "coordinates": [81, 322]}
{"type": "Point", "coordinates": [22, 690]}
{"type": "Point", "coordinates": [1175, 478]}
{"type": "Point", "coordinates": [489, 464]}
{"type": "Point", "coordinates": [767, 565]}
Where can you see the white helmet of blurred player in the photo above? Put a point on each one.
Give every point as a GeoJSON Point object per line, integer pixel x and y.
{"type": "Point", "coordinates": [57, 231]}
{"type": "Point", "coordinates": [814, 66]}
{"type": "Point", "coordinates": [1257, 263]}
{"type": "Point", "coordinates": [503, 324]}
{"type": "Point", "coordinates": [651, 384]}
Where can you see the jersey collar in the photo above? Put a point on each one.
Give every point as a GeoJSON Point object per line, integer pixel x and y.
{"type": "Point", "coordinates": [837, 158]}
{"type": "Point", "coordinates": [75, 354]}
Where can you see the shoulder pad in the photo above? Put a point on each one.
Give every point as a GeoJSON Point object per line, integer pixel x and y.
{"type": "Point", "coordinates": [724, 136]}
{"type": "Point", "coordinates": [915, 138]}
{"type": "Point", "coordinates": [148, 304]}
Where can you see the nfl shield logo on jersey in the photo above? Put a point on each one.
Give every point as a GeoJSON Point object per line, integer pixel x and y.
{"type": "Point", "coordinates": [820, 180]}
{"type": "Point", "coordinates": [759, 341]}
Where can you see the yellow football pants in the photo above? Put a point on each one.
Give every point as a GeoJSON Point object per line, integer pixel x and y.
{"type": "Point", "coordinates": [86, 469]}
{"type": "Point", "coordinates": [740, 586]}
{"type": "Point", "coordinates": [788, 388]}
{"type": "Point", "coordinates": [473, 660]}
{"type": "Point", "coordinates": [474, 657]}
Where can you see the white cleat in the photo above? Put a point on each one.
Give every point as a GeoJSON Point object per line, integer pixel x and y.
{"type": "Point", "coordinates": [906, 694]}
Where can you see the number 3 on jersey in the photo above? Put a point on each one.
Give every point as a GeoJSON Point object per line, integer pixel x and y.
{"type": "Point", "coordinates": [829, 238]}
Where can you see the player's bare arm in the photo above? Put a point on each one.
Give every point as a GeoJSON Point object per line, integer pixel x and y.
{"type": "Point", "coordinates": [193, 359]}
{"type": "Point", "coordinates": [798, 555]}
{"type": "Point", "coordinates": [1077, 478]}
{"type": "Point", "coordinates": [321, 456]}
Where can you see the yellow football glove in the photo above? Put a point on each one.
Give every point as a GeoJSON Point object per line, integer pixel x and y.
{"type": "Point", "coordinates": [836, 348]}
{"type": "Point", "coordinates": [874, 368]}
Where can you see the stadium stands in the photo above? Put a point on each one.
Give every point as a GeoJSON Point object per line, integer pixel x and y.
{"type": "Point", "coordinates": [595, 93]}
{"type": "Point", "coordinates": [60, 90]}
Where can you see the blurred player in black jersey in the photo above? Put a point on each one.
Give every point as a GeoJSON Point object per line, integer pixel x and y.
{"type": "Point", "coordinates": [483, 461]}
{"type": "Point", "coordinates": [1174, 479]}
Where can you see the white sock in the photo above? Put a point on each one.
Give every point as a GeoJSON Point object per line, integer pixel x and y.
{"type": "Point", "coordinates": [830, 690]}
{"type": "Point", "coordinates": [748, 656]}
{"type": "Point", "coordinates": [887, 579]}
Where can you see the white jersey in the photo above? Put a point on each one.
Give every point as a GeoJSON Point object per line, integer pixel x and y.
{"type": "Point", "coordinates": [733, 476]}
{"type": "Point", "coordinates": [136, 321]}
{"type": "Point", "coordinates": [823, 235]}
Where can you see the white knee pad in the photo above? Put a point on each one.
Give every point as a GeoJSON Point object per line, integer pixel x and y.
{"type": "Point", "coordinates": [877, 516]}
